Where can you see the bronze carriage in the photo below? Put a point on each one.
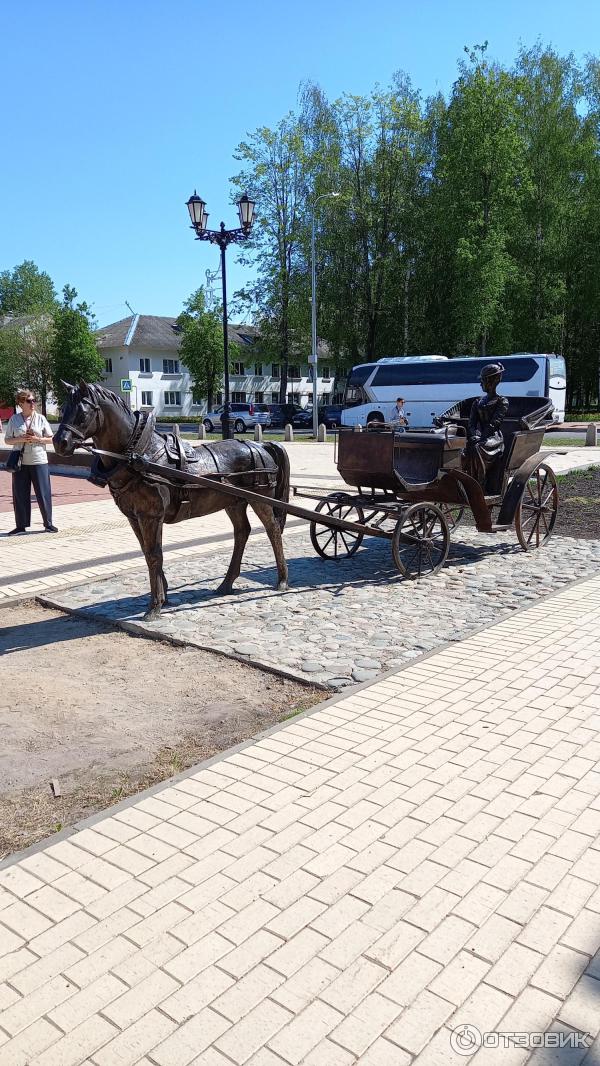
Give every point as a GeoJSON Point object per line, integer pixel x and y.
{"type": "Point", "coordinates": [411, 488]}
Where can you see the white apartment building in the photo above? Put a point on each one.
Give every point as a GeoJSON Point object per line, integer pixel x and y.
{"type": "Point", "coordinates": [143, 350]}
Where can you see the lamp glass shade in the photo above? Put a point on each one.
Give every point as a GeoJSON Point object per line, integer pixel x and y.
{"type": "Point", "coordinates": [246, 211]}
{"type": "Point", "coordinates": [197, 209]}
{"type": "Point", "coordinates": [205, 220]}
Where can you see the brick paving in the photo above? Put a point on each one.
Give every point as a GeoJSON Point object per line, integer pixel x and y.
{"type": "Point", "coordinates": [417, 855]}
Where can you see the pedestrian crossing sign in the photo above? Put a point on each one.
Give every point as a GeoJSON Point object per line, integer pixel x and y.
{"type": "Point", "coordinates": [125, 384]}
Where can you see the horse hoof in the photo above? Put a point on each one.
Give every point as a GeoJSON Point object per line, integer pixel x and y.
{"type": "Point", "coordinates": [283, 586]}
{"type": "Point", "coordinates": [224, 590]}
{"type": "Point", "coordinates": [151, 614]}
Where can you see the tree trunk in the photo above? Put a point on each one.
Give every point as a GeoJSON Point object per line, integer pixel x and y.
{"type": "Point", "coordinates": [406, 284]}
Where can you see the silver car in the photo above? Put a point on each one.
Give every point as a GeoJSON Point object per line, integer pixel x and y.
{"type": "Point", "coordinates": [242, 416]}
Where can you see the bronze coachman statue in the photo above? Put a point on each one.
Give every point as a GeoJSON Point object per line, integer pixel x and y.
{"type": "Point", "coordinates": [485, 441]}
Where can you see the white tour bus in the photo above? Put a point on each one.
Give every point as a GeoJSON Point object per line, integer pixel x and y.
{"type": "Point", "coordinates": [431, 384]}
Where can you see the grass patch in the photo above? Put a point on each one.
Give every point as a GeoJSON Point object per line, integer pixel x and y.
{"type": "Point", "coordinates": [561, 442]}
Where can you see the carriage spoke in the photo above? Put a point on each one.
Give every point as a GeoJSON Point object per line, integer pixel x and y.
{"type": "Point", "coordinates": [420, 541]}
{"type": "Point", "coordinates": [333, 543]}
{"type": "Point", "coordinates": [536, 512]}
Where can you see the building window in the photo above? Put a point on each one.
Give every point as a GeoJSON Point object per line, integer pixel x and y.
{"type": "Point", "coordinates": [146, 399]}
{"type": "Point", "coordinates": [275, 370]}
{"type": "Point", "coordinates": [108, 366]}
{"type": "Point", "coordinates": [259, 397]}
{"type": "Point", "coordinates": [237, 368]}
{"type": "Point", "coordinates": [172, 399]}
{"type": "Point", "coordinates": [197, 398]}
{"type": "Point", "coordinates": [238, 397]}
{"type": "Point", "coordinates": [326, 373]}
{"type": "Point", "coordinates": [258, 370]}
{"type": "Point", "coordinates": [170, 366]}
{"type": "Point", "coordinates": [274, 397]}
{"type": "Point", "coordinates": [293, 397]}
{"type": "Point", "coordinates": [144, 366]}
{"type": "Point", "coordinates": [294, 373]}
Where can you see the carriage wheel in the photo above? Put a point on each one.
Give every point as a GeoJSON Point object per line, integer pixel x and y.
{"type": "Point", "coordinates": [332, 543]}
{"type": "Point", "coordinates": [452, 513]}
{"type": "Point", "coordinates": [537, 510]}
{"type": "Point", "coordinates": [421, 541]}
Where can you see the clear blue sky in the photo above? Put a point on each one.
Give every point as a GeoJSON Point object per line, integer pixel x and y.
{"type": "Point", "coordinates": [114, 110]}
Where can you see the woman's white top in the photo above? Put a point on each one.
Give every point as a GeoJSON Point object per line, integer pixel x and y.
{"type": "Point", "coordinates": [33, 454]}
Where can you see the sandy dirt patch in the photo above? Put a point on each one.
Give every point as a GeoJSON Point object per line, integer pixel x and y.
{"type": "Point", "coordinates": [108, 714]}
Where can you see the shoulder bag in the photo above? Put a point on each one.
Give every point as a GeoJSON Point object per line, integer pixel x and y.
{"type": "Point", "coordinates": [15, 459]}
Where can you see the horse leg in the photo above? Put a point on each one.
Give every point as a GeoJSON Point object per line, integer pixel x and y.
{"type": "Point", "coordinates": [151, 531]}
{"type": "Point", "coordinates": [134, 522]}
{"type": "Point", "coordinates": [267, 516]}
{"type": "Point", "coordinates": [241, 532]}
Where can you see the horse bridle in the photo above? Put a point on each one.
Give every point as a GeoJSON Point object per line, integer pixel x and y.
{"type": "Point", "coordinates": [77, 433]}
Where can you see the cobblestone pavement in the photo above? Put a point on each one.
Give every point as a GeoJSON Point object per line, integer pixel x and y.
{"type": "Point", "coordinates": [95, 540]}
{"type": "Point", "coordinates": [412, 857]}
{"type": "Point", "coordinates": [342, 621]}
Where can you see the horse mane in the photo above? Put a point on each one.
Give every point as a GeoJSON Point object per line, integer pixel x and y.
{"type": "Point", "coordinates": [98, 392]}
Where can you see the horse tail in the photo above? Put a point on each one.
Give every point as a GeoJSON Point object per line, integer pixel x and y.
{"type": "Point", "coordinates": [282, 487]}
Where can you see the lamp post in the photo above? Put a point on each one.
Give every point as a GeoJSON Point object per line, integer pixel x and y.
{"type": "Point", "coordinates": [223, 237]}
{"type": "Point", "coordinates": [314, 356]}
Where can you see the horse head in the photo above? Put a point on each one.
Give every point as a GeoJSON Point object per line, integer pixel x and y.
{"type": "Point", "coordinates": [81, 417]}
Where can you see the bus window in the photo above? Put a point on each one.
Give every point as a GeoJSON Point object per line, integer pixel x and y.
{"type": "Point", "coordinates": [454, 371]}
{"type": "Point", "coordinates": [359, 374]}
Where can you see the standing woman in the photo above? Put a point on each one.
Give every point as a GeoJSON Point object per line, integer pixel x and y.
{"type": "Point", "coordinates": [30, 431]}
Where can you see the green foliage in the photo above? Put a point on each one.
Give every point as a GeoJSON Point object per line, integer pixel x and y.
{"type": "Point", "coordinates": [11, 369]}
{"type": "Point", "coordinates": [274, 175]}
{"type": "Point", "coordinates": [26, 356]}
{"type": "Point", "coordinates": [466, 225]}
{"type": "Point", "coordinates": [74, 352]}
{"type": "Point", "coordinates": [201, 347]}
{"type": "Point", "coordinates": [25, 290]}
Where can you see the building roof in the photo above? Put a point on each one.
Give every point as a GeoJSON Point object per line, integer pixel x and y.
{"type": "Point", "coordinates": [140, 331]}
{"type": "Point", "coordinates": [113, 336]}
{"type": "Point", "coordinates": [160, 332]}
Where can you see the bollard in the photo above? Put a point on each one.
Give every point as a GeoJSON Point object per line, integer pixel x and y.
{"type": "Point", "coordinates": [322, 434]}
{"type": "Point", "coordinates": [201, 431]}
{"type": "Point", "coordinates": [288, 432]}
{"type": "Point", "coordinates": [175, 428]}
{"type": "Point", "coordinates": [257, 432]}
{"type": "Point", "coordinates": [591, 436]}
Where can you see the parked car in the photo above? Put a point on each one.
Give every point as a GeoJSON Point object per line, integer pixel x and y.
{"type": "Point", "coordinates": [283, 414]}
{"type": "Point", "coordinates": [331, 414]}
{"type": "Point", "coordinates": [242, 416]}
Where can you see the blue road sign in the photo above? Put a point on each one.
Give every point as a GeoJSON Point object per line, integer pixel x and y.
{"type": "Point", "coordinates": [125, 384]}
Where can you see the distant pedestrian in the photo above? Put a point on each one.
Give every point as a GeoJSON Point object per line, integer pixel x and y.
{"type": "Point", "coordinates": [29, 432]}
{"type": "Point", "coordinates": [399, 420]}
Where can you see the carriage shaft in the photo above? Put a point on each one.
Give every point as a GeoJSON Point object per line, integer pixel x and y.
{"type": "Point", "coordinates": [255, 497]}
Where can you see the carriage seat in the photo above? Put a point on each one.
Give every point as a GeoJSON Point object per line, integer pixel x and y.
{"type": "Point", "coordinates": [180, 452]}
{"type": "Point", "coordinates": [452, 435]}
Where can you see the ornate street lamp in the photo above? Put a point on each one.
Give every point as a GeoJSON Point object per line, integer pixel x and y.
{"type": "Point", "coordinates": [223, 237]}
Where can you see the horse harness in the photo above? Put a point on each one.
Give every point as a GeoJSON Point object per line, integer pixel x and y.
{"type": "Point", "coordinates": [179, 455]}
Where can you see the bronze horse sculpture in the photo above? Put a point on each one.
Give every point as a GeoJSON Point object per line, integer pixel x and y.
{"type": "Point", "coordinates": [92, 412]}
